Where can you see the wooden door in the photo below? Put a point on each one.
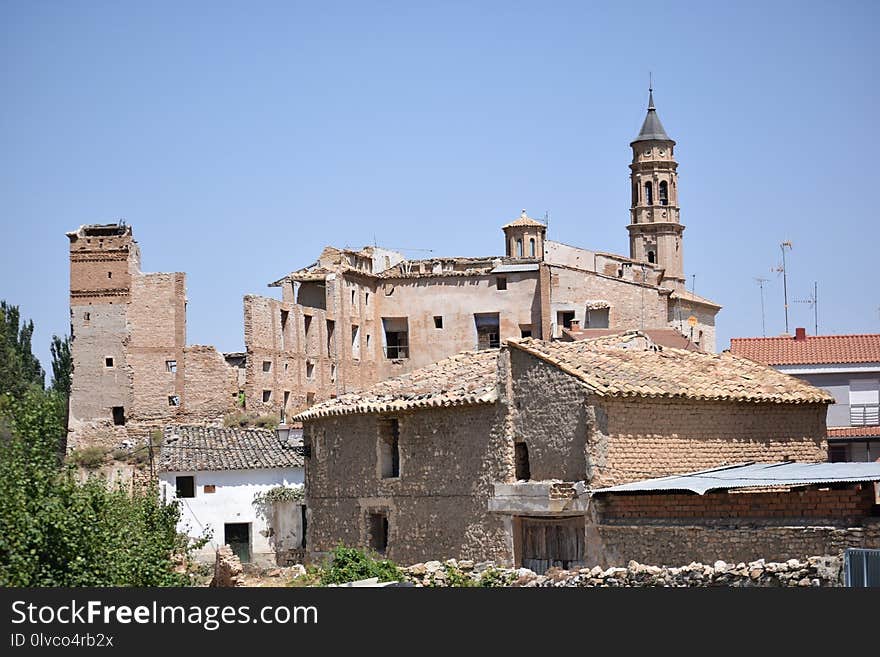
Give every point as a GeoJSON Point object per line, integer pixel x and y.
{"type": "Point", "coordinates": [549, 542]}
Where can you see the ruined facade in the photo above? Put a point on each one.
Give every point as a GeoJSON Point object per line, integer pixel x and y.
{"type": "Point", "coordinates": [477, 455]}
{"type": "Point", "coordinates": [356, 317]}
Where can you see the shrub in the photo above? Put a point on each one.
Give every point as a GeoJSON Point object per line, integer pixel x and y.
{"type": "Point", "coordinates": [236, 419]}
{"type": "Point", "coordinates": [266, 422]}
{"type": "Point", "coordinates": [352, 564]}
{"type": "Point", "coordinates": [89, 458]}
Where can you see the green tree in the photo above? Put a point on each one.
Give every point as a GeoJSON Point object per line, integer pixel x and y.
{"type": "Point", "coordinates": [62, 364]}
{"type": "Point", "coordinates": [19, 368]}
{"type": "Point", "coordinates": [56, 531]}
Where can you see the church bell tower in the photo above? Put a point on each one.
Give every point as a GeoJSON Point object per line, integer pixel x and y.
{"type": "Point", "coordinates": [655, 229]}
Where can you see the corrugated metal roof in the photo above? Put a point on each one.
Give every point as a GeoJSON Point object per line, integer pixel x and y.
{"type": "Point", "coordinates": [755, 475]}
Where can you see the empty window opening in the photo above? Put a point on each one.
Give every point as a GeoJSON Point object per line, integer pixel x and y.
{"type": "Point", "coordinates": [310, 398]}
{"type": "Point", "coordinates": [652, 258]}
{"type": "Point", "coordinates": [353, 297]}
{"type": "Point", "coordinates": [525, 331]}
{"type": "Point", "coordinates": [171, 366]}
{"type": "Point", "coordinates": [267, 365]}
{"type": "Point", "coordinates": [369, 340]}
{"type": "Point", "coordinates": [173, 400]}
{"type": "Point", "coordinates": [109, 274]}
{"type": "Point", "coordinates": [564, 319]}
{"type": "Point", "coordinates": [501, 282]}
{"type": "Point", "coordinates": [355, 341]}
{"type": "Point", "coordinates": [366, 298]}
{"type": "Point", "coordinates": [521, 456]}
{"type": "Point", "coordinates": [438, 321]}
{"type": "Point", "coordinates": [267, 396]}
{"type": "Point", "coordinates": [635, 194]}
{"type": "Point", "coordinates": [333, 373]}
{"type": "Point", "coordinates": [649, 194]}
{"type": "Point", "coordinates": [87, 317]}
{"type": "Point", "coordinates": [331, 330]}
{"type": "Point", "coordinates": [532, 252]}
{"type": "Point", "coordinates": [389, 448]}
{"type": "Point", "coordinates": [307, 324]}
{"type": "Point", "coordinates": [310, 370]}
{"type": "Point", "coordinates": [519, 248]}
{"type": "Point", "coordinates": [119, 416]}
{"type": "Point", "coordinates": [284, 317]}
{"type": "Point", "coordinates": [597, 318]}
{"type": "Point", "coordinates": [663, 192]}
{"type": "Point", "coordinates": [185, 486]}
{"type": "Point", "coordinates": [488, 330]}
{"type": "Point", "coordinates": [284, 407]}
{"type": "Point", "coordinates": [377, 527]}
{"type": "Point", "coordinates": [108, 362]}
{"type": "Point", "coordinates": [396, 333]}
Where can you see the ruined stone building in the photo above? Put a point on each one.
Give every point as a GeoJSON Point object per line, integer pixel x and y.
{"type": "Point", "coordinates": [475, 455]}
{"type": "Point", "coordinates": [356, 317]}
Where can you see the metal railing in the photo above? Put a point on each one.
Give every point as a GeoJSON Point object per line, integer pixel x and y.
{"type": "Point", "coordinates": [864, 415]}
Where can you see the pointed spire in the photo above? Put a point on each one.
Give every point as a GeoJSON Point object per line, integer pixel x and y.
{"type": "Point", "coordinates": [652, 129]}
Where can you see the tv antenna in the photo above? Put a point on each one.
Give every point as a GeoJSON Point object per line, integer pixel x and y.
{"type": "Point", "coordinates": [760, 281]}
{"type": "Point", "coordinates": [813, 301]}
{"type": "Point", "coordinates": [782, 270]}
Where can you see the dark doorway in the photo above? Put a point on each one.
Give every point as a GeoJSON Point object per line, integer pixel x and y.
{"type": "Point", "coordinates": [377, 525]}
{"type": "Point", "coordinates": [118, 416]}
{"type": "Point", "coordinates": [237, 535]}
{"type": "Point", "coordinates": [523, 471]}
{"type": "Point", "coordinates": [548, 542]}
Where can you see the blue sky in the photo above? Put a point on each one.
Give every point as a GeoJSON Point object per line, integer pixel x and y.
{"type": "Point", "coordinates": [240, 138]}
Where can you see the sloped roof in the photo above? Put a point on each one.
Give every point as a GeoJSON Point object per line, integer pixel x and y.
{"type": "Point", "coordinates": [190, 448]}
{"type": "Point", "coordinates": [813, 350]}
{"type": "Point", "coordinates": [464, 379]}
{"type": "Point", "coordinates": [652, 129]}
{"type": "Point", "coordinates": [608, 369]}
{"type": "Point", "coordinates": [687, 295]}
{"type": "Point", "coordinates": [854, 432]}
{"type": "Point", "coordinates": [524, 220]}
{"type": "Point", "coordinates": [665, 337]}
{"type": "Point", "coordinates": [754, 475]}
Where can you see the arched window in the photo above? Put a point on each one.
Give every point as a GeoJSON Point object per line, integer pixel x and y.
{"type": "Point", "coordinates": [512, 248]}
{"type": "Point", "coordinates": [651, 257]}
{"type": "Point", "coordinates": [519, 250]}
{"type": "Point", "coordinates": [532, 247]}
{"type": "Point", "coordinates": [649, 194]}
{"type": "Point", "coordinates": [664, 193]}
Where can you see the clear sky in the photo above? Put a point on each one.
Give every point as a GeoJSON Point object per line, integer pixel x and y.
{"type": "Point", "coordinates": [240, 138]}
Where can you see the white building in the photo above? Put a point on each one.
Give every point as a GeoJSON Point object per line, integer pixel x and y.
{"type": "Point", "coordinates": [217, 473]}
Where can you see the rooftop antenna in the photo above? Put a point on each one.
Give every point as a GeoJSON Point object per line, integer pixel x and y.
{"type": "Point", "coordinates": [547, 219]}
{"type": "Point", "coordinates": [760, 281]}
{"type": "Point", "coordinates": [784, 272]}
{"type": "Point", "coordinates": [813, 301]}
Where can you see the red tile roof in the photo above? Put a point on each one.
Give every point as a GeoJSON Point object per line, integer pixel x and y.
{"type": "Point", "coordinates": [813, 350]}
{"type": "Point", "coordinates": [665, 337]}
{"type": "Point", "coordinates": [853, 432]}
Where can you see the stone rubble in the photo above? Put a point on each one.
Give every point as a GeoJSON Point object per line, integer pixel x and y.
{"type": "Point", "coordinates": [820, 571]}
{"type": "Point", "coordinates": [227, 569]}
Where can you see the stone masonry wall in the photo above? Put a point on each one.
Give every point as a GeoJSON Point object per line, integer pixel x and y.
{"type": "Point", "coordinates": [449, 459]}
{"type": "Point", "coordinates": [210, 385]}
{"type": "Point", "coordinates": [640, 438]}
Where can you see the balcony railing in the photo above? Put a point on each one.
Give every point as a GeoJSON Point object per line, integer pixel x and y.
{"type": "Point", "coordinates": [864, 415]}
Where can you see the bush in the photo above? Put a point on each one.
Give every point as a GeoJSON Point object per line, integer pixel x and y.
{"type": "Point", "coordinates": [266, 422]}
{"type": "Point", "coordinates": [236, 420]}
{"type": "Point", "coordinates": [89, 458]}
{"type": "Point", "coordinates": [352, 564]}
{"type": "Point", "coordinates": [55, 531]}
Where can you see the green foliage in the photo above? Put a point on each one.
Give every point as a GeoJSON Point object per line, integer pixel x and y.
{"type": "Point", "coordinates": [492, 578]}
{"type": "Point", "coordinates": [55, 531]}
{"type": "Point", "coordinates": [62, 365]}
{"type": "Point", "coordinates": [241, 419]}
{"type": "Point", "coordinates": [88, 457]}
{"type": "Point", "coordinates": [311, 578]}
{"type": "Point", "coordinates": [19, 368]}
{"type": "Point", "coordinates": [266, 422]}
{"type": "Point", "coordinates": [295, 493]}
{"type": "Point", "coordinates": [352, 564]}
{"type": "Point", "coordinates": [236, 420]}
{"type": "Point", "coordinates": [455, 577]}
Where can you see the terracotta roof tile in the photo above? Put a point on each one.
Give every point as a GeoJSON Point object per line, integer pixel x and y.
{"type": "Point", "coordinates": [524, 220]}
{"type": "Point", "coordinates": [665, 337]}
{"type": "Point", "coordinates": [466, 378]}
{"type": "Point", "coordinates": [189, 448]}
{"type": "Point", "coordinates": [813, 350]}
{"type": "Point", "coordinates": [608, 367]}
{"type": "Point", "coordinates": [854, 432]}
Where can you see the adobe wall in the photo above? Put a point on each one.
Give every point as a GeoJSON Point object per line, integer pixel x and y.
{"type": "Point", "coordinates": [704, 331]}
{"type": "Point", "coordinates": [449, 459]}
{"type": "Point", "coordinates": [210, 386]}
{"type": "Point", "coordinates": [639, 438]}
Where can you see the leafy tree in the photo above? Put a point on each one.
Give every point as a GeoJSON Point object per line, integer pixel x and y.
{"type": "Point", "coordinates": [19, 368]}
{"type": "Point", "coordinates": [62, 364]}
{"type": "Point", "coordinates": [56, 531]}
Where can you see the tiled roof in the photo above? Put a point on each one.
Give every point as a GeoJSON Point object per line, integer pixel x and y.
{"type": "Point", "coordinates": [665, 337]}
{"type": "Point", "coordinates": [812, 350]}
{"type": "Point", "coordinates": [686, 295]}
{"type": "Point", "coordinates": [854, 432]}
{"type": "Point", "coordinates": [189, 448]}
{"type": "Point", "coordinates": [608, 369]}
{"type": "Point", "coordinates": [464, 379]}
{"type": "Point", "coordinates": [524, 220]}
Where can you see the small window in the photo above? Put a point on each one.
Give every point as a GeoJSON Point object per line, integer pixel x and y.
{"type": "Point", "coordinates": [284, 316]}
{"type": "Point", "coordinates": [532, 247]}
{"type": "Point", "coordinates": [389, 448]}
{"type": "Point", "coordinates": [267, 365]}
{"type": "Point", "coordinates": [353, 293]}
{"type": "Point", "coordinates": [267, 396]}
{"type": "Point", "coordinates": [366, 298]}
{"type": "Point", "coordinates": [185, 486]}
{"type": "Point", "coordinates": [837, 453]}
{"type": "Point", "coordinates": [519, 248]}
{"type": "Point", "coordinates": [651, 257]}
{"type": "Point", "coordinates": [355, 341]}
{"type": "Point", "coordinates": [171, 366]}
{"type": "Point", "coordinates": [310, 398]}
{"type": "Point", "coordinates": [396, 337]}
{"type": "Point", "coordinates": [307, 323]}
{"type": "Point", "coordinates": [438, 321]}
{"type": "Point", "coordinates": [488, 330]}
{"type": "Point", "coordinates": [525, 331]}
{"type": "Point", "coordinates": [108, 362]}
{"type": "Point", "coordinates": [331, 329]}
{"type": "Point", "coordinates": [564, 319]}
{"type": "Point", "coordinates": [109, 274]}
{"type": "Point", "coordinates": [119, 416]}
{"type": "Point", "coordinates": [501, 282]}
{"type": "Point", "coordinates": [377, 526]}
{"type": "Point", "coordinates": [649, 194]}
{"type": "Point", "coordinates": [210, 488]}
{"type": "Point", "coordinates": [333, 373]}
{"type": "Point", "coordinates": [173, 400]}
{"type": "Point", "coordinates": [521, 456]}
{"type": "Point", "coordinates": [664, 192]}
{"type": "Point", "coordinates": [87, 317]}
{"type": "Point", "coordinates": [369, 341]}
{"type": "Point", "coordinates": [310, 370]}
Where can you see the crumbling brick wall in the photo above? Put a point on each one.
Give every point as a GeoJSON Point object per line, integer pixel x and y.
{"type": "Point", "coordinates": [449, 459]}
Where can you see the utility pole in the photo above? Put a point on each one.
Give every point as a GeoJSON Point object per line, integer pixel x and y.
{"type": "Point", "coordinates": [761, 282]}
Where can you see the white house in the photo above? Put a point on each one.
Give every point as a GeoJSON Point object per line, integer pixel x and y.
{"type": "Point", "coordinates": [218, 473]}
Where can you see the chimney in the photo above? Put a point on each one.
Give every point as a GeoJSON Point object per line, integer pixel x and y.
{"type": "Point", "coordinates": [800, 334]}
{"type": "Point", "coordinates": [575, 325]}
